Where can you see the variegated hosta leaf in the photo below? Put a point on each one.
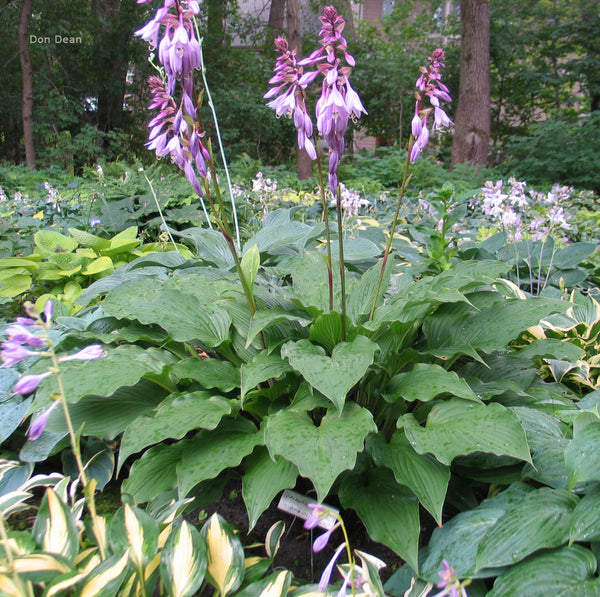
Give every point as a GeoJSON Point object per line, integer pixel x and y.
{"type": "Point", "coordinates": [370, 572]}
{"type": "Point", "coordinates": [107, 578]}
{"type": "Point", "coordinates": [225, 555]}
{"type": "Point", "coordinates": [55, 530]}
{"type": "Point", "coordinates": [184, 561]}
{"type": "Point", "coordinates": [275, 585]}
{"type": "Point", "coordinates": [132, 530]}
{"type": "Point", "coordinates": [273, 537]}
{"type": "Point", "coordinates": [38, 567]}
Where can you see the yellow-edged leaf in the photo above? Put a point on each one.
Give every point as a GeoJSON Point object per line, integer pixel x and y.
{"type": "Point", "coordinates": [225, 555]}
{"type": "Point", "coordinates": [135, 535]}
{"type": "Point", "coordinates": [184, 561]}
{"type": "Point", "coordinates": [105, 577]}
{"type": "Point", "coordinates": [278, 586]}
{"type": "Point", "coordinates": [40, 562]}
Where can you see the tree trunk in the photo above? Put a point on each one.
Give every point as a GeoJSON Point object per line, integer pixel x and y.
{"type": "Point", "coordinates": [277, 16]}
{"type": "Point", "coordinates": [472, 120]}
{"type": "Point", "coordinates": [114, 22]}
{"type": "Point", "coordinates": [27, 74]}
{"type": "Point", "coordinates": [303, 161]}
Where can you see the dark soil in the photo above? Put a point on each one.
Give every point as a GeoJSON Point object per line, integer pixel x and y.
{"type": "Point", "coordinates": [295, 551]}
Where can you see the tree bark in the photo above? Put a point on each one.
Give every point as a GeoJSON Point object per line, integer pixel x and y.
{"type": "Point", "coordinates": [27, 74]}
{"type": "Point", "coordinates": [472, 120]}
{"type": "Point", "coordinates": [277, 16]}
{"type": "Point", "coordinates": [303, 161]}
{"type": "Point", "coordinates": [114, 21]}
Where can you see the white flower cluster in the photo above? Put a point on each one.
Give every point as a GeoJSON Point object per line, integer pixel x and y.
{"type": "Point", "coordinates": [351, 201]}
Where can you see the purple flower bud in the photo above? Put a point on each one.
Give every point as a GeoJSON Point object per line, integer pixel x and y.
{"type": "Point", "coordinates": [21, 335]}
{"type": "Point", "coordinates": [39, 423]}
{"type": "Point", "coordinates": [89, 353]}
{"type": "Point", "coordinates": [29, 383]}
{"type": "Point", "coordinates": [13, 352]}
{"type": "Point", "coordinates": [326, 576]}
{"type": "Point", "coordinates": [48, 311]}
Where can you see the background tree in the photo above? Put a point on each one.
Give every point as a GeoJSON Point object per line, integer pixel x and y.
{"type": "Point", "coordinates": [472, 119]}
{"type": "Point", "coordinates": [27, 78]}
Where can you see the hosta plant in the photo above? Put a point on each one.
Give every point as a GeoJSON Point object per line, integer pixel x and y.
{"type": "Point", "coordinates": [146, 554]}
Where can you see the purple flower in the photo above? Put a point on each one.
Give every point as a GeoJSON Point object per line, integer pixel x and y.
{"type": "Point", "coordinates": [317, 513]}
{"type": "Point", "coordinates": [290, 83]}
{"type": "Point", "coordinates": [327, 572]}
{"type": "Point", "coordinates": [38, 425]}
{"type": "Point", "coordinates": [48, 312]}
{"type": "Point", "coordinates": [449, 582]}
{"type": "Point", "coordinates": [322, 540]}
{"type": "Point", "coordinates": [14, 352]}
{"type": "Point", "coordinates": [429, 85]}
{"type": "Point", "coordinates": [21, 335]}
{"type": "Point", "coordinates": [89, 353]}
{"type": "Point", "coordinates": [29, 383]}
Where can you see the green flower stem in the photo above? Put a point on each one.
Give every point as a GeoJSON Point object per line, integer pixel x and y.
{"type": "Point", "coordinates": [160, 213]}
{"type": "Point", "coordinates": [326, 221]}
{"type": "Point", "coordinates": [338, 206]}
{"type": "Point", "coordinates": [88, 487]}
{"type": "Point", "coordinates": [351, 561]}
{"type": "Point", "coordinates": [405, 180]}
{"type": "Point", "coordinates": [220, 141]}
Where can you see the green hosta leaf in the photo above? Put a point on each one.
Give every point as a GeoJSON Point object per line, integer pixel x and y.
{"type": "Point", "coordinates": [492, 326]}
{"type": "Point", "coordinates": [572, 255]}
{"type": "Point", "coordinates": [55, 530]}
{"type": "Point", "coordinates": [154, 472]}
{"type": "Point", "coordinates": [15, 285]}
{"type": "Point", "coordinates": [585, 522]}
{"type": "Point", "coordinates": [389, 512]}
{"type": "Point", "coordinates": [102, 265]}
{"type": "Point", "coordinates": [49, 242]}
{"type": "Point", "coordinates": [320, 453]}
{"type": "Point", "coordinates": [148, 302]}
{"type": "Point", "coordinates": [211, 452]}
{"type": "Point", "coordinates": [175, 416]}
{"type": "Point", "coordinates": [141, 535]}
{"type": "Point", "coordinates": [333, 376]}
{"type": "Point", "coordinates": [540, 520]}
{"type": "Point", "coordinates": [108, 417]}
{"type": "Point", "coordinates": [210, 245]}
{"type": "Point", "coordinates": [262, 368]}
{"type": "Point", "coordinates": [263, 479]}
{"type": "Point", "coordinates": [225, 555]}
{"type": "Point", "coordinates": [121, 366]}
{"type": "Point", "coordinates": [460, 537]}
{"type": "Point", "coordinates": [211, 373]}
{"type": "Point", "coordinates": [362, 296]}
{"type": "Point", "coordinates": [456, 427]}
{"type": "Point", "coordinates": [250, 263]}
{"type": "Point", "coordinates": [85, 239]}
{"type": "Point", "coordinates": [107, 578]}
{"type": "Point", "coordinates": [548, 463]}
{"type": "Point", "coordinates": [422, 473]}
{"type": "Point", "coordinates": [582, 455]}
{"type": "Point", "coordinates": [565, 572]}
{"type": "Point", "coordinates": [264, 318]}
{"type": "Point", "coordinates": [426, 381]}
{"type": "Point", "coordinates": [183, 561]}
{"type": "Point", "coordinates": [356, 249]}
{"type": "Point", "coordinates": [12, 412]}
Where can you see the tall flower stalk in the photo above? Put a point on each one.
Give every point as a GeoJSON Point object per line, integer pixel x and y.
{"type": "Point", "coordinates": [429, 87]}
{"type": "Point", "coordinates": [34, 331]}
{"type": "Point", "coordinates": [336, 106]}
{"type": "Point", "coordinates": [177, 130]}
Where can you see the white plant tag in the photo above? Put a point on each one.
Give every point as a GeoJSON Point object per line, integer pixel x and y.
{"type": "Point", "coordinates": [296, 504]}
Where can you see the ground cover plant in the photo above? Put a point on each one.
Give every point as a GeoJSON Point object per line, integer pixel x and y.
{"type": "Point", "coordinates": [424, 358]}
